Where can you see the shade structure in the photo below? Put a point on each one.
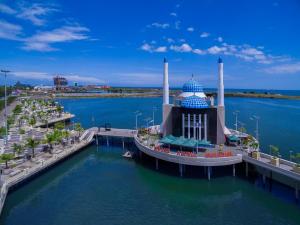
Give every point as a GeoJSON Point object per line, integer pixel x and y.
{"type": "Point", "coordinates": [185, 142]}
{"type": "Point", "coordinates": [233, 138]}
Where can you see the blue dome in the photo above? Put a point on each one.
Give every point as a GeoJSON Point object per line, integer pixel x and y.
{"type": "Point", "coordinates": [194, 102]}
{"type": "Point", "coordinates": [192, 86]}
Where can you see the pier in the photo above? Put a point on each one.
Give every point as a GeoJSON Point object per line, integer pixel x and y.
{"type": "Point", "coordinates": [114, 132]}
{"type": "Point", "coordinates": [64, 117]}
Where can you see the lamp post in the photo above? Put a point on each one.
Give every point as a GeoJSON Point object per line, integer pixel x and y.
{"type": "Point", "coordinates": [236, 119]}
{"type": "Point", "coordinates": [5, 103]}
{"type": "Point", "coordinates": [153, 112]}
{"type": "Point", "coordinates": [256, 118]}
{"type": "Point", "coordinates": [137, 114]}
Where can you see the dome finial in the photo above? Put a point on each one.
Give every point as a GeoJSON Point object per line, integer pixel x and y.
{"type": "Point", "coordinates": [220, 60]}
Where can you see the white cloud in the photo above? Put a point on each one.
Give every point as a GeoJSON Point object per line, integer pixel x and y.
{"type": "Point", "coordinates": [173, 14]}
{"type": "Point", "coordinates": [183, 48]}
{"type": "Point", "coordinates": [204, 34]}
{"type": "Point", "coordinates": [146, 47]}
{"type": "Point", "coordinates": [6, 9]}
{"type": "Point", "coordinates": [190, 29]}
{"type": "Point", "coordinates": [284, 69]}
{"type": "Point", "coordinates": [170, 40]}
{"type": "Point", "coordinates": [199, 51]}
{"type": "Point", "coordinates": [42, 40]}
{"type": "Point", "coordinates": [35, 13]}
{"type": "Point", "coordinates": [159, 25]}
{"type": "Point", "coordinates": [177, 25]}
{"type": "Point", "coordinates": [150, 48]}
{"type": "Point", "coordinates": [216, 50]}
{"type": "Point", "coordinates": [219, 39]}
{"type": "Point", "coordinates": [83, 79]}
{"type": "Point", "coordinates": [9, 31]}
{"type": "Point", "coordinates": [31, 75]}
{"type": "Point", "coordinates": [161, 49]}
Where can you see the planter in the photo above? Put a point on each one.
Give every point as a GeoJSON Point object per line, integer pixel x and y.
{"type": "Point", "coordinates": [275, 161]}
{"type": "Point", "coordinates": [256, 155]}
{"type": "Point", "coordinates": [296, 169]}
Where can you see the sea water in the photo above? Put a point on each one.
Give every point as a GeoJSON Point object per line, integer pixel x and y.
{"type": "Point", "coordinates": [99, 186]}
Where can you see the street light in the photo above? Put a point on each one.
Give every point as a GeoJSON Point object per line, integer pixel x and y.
{"type": "Point", "coordinates": [236, 119]}
{"type": "Point", "coordinates": [5, 103]}
{"type": "Point", "coordinates": [153, 110]}
{"type": "Point", "coordinates": [256, 118]}
{"type": "Point", "coordinates": [148, 120]}
{"type": "Point", "coordinates": [137, 114]}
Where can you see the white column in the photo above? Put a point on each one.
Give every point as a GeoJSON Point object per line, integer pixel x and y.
{"type": "Point", "coordinates": [166, 82]}
{"type": "Point", "coordinates": [200, 127]}
{"type": "Point", "coordinates": [183, 124]}
{"type": "Point", "coordinates": [189, 126]}
{"type": "Point", "coordinates": [205, 127]}
{"type": "Point", "coordinates": [194, 126]}
{"type": "Point", "coordinates": [221, 84]}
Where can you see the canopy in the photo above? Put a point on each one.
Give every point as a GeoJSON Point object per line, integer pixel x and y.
{"type": "Point", "coordinates": [185, 142]}
{"type": "Point", "coordinates": [234, 138]}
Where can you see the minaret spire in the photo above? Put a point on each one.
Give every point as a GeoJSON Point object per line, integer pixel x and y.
{"type": "Point", "coordinates": [221, 83]}
{"type": "Point", "coordinates": [166, 82]}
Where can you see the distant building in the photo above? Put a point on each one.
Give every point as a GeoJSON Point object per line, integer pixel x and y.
{"type": "Point", "coordinates": [60, 82]}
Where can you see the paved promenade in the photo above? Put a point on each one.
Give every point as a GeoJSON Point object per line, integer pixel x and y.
{"type": "Point", "coordinates": [41, 163]}
{"type": "Point", "coordinates": [10, 108]}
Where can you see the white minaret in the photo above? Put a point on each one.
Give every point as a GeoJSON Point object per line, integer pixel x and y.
{"type": "Point", "coordinates": [166, 83]}
{"type": "Point", "coordinates": [221, 84]}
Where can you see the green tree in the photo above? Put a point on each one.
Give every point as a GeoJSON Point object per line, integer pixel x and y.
{"type": "Point", "coordinates": [296, 158]}
{"type": "Point", "coordinates": [59, 126]}
{"type": "Point", "coordinates": [254, 145]}
{"type": "Point", "coordinates": [32, 143]}
{"type": "Point", "coordinates": [59, 109]}
{"type": "Point", "coordinates": [78, 128]}
{"type": "Point", "coordinates": [17, 109]}
{"type": "Point", "coordinates": [274, 150]}
{"type": "Point", "coordinates": [50, 139]}
{"type": "Point", "coordinates": [6, 157]}
{"type": "Point", "coordinates": [32, 121]}
{"type": "Point", "coordinates": [242, 129]}
{"type": "Point", "coordinates": [18, 149]}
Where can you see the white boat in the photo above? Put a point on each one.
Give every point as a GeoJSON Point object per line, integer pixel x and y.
{"type": "Point", "coordinates": [127, 154]}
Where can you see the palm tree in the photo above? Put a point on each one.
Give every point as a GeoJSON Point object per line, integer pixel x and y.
{"type": "Point", "coordinates": [17, 148]}
{"type": "Point", "coordinates": [274, 150]}
{"type": "Point", "coordinates": [59, 125]}
{"type": "Point", "coordinates": [59, 109]}
{"type": "Point", "coordinates": [32, 121]}
{"type": "Point", "coordinates": [6, 157]}
{"type": "Point", "coordinates": [78, 128]}
{"type": "Point", "coordinates": [50, 139]}
{"type": "Point", "coordinates": [254, 145]}
{"type": "Point", "coordinates": [32, 143]}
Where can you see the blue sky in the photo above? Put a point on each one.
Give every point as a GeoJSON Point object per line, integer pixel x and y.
{"type": "Point", "coordinates": [123, 43]}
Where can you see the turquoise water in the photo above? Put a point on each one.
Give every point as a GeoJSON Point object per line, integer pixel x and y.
{"type": "Point", "coordinates": [279, 119]}
{"type": "Point", "coordinates": [98, 186]}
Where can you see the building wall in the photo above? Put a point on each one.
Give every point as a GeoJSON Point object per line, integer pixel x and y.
{"type": "Point", "coordinates": [215, 133]}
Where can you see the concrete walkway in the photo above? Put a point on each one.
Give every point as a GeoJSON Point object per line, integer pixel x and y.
{"type": "Point", "coordinates": [41, 163]}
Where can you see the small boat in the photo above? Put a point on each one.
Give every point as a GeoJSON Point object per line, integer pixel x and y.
{"type": "Point", "coordinates": [127, 154]}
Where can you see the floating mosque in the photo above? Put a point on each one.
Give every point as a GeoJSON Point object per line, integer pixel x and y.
{"type": "Point", "coordinates": [194, 116]}
{"type": "Point", "coordinates": [193, 130]}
